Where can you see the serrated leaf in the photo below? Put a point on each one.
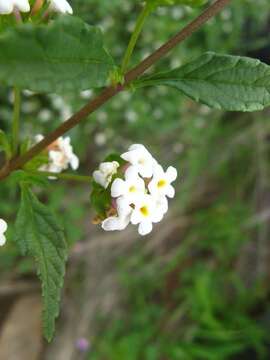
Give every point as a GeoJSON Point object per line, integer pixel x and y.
{"type": "Point", "coordinates": [38, 234]}
{"type": "Point", "coordinates": [67, 54]}
{"type": "Point", "coordinates": [224, 82]}
{"type": "Point", "coordinates": [19, 176]}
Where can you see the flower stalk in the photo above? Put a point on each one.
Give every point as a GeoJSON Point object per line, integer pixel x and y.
{"type": "Point", "coordinates": [146, 11]}
{"type": "Point", "coordinates": [62, 176]}
{"type": "Point", "coordinates": [16, 121]}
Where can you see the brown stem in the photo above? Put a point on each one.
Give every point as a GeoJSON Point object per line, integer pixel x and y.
{"type": "Point", "coordinates": [111, 91]}
{"type": "Point", "coordinates": [36, 7]}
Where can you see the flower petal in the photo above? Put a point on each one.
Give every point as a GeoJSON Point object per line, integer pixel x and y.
{"type": "Point", "coordinates": [170, 191]}
{"type": "Point", "coordinates": [100, 178]}
{"type": "Point", "coordinates": [145, 228]}
{"type": "Point", "coordinates": [115, 223]}
{"type": "Point", "coordinates": [157, 216]}
{"type": "Point", "coordinates": [171, 173]}
{"type": "Point", "coordinates": [136, 217]}
{"type": "Point", "coordinates": [131, 173]}
{"type": "Point", "coordinates": [74, 162]}
{"type": "Point", "coordinates": [22, 5]}
{"type": "Point", "coordinates": [123, 207]}
{"type": "Point", "coordinates": [3, 226]}
{"type": "Point", "coordinates": [5, 7]}
{"type": "Point", "coordinates": [2, 240]}
{"type": "Point", "coordinates": [118, 188]}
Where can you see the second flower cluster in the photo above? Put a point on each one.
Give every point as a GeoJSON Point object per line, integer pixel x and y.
{"type": "Point", "coordinates": [139, 190]}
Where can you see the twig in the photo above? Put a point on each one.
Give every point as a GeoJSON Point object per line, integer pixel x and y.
{"type": "Point", "coordinates": [111, 91]}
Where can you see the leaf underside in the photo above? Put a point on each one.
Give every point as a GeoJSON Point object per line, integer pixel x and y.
{"type": "Point", "coordinates": [38, 234]}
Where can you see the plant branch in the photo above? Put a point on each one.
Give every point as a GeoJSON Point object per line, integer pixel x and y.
{"type": "Point", "coordinates": [111, 91]}
{"type": "Point", "coordinates": [16, 121]}
{"type": "Point", "coordinates": [135, 35]}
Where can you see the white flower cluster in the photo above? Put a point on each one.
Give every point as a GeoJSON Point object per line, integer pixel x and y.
{"type": "Point", "coordinates": [140, 197]}
{"type": "Point", "coordinates": [8, 6]}
{"type": "Point", "coordinates": [61, 6]}
{"type": "Point", "coordinates": [60, 154]}
{"type": "Point", "coordinates": [3, 229]}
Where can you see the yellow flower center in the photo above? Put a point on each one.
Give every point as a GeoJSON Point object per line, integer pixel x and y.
{"type": "Point", "coordinates": [144, 210]}
{"type": "Point", "coordinates": [132, 189]}
{"type": "Point", "coordinates": [141, 161]}
{"type": "Point", "coordinates": [161, 183]}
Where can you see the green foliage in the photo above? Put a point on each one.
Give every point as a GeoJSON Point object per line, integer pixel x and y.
{"type": "Point", "coordinates": [5, 144]}
{"type": "Point", "coordinates": [223, 82]}
{"type": "Point", "coordinates": [100, 199]}
{"type": "Point", "coordinates": [115, 157]}
{"type": "Point", "coordinates": [37, 233]}
{"type": "Point", "coordinates": [208, 317]}
{"type": "Point", "coordinates": [192, 3]}
{"type": "Point", "coordinates": [196, 307]}
{"type": "Point", "coordinates": [65, 55]}
{"type": "Point", "coordinates": [28, 178]}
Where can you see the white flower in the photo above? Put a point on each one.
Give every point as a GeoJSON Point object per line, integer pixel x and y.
{"type": "Point", "coordinates": [160, 185]}
{"type": "Point", "coordinates": [140, 194]}
{"type": "Point", "coordinates": [104, 175]}
{"type": "Point", "coordinates": [122, 219]}
{"type": "Point", "coordinates": [60, 154]}
{"type": "Point", "coordinates": [145, 214]}
{"type": "Point", "coordinates": [67, 155]}
{"type": "Point", "coordinates": [3, 229]}
{"type": "Point", "coordinates": [7, 6]}
{"type": "Point", "coordinates": [139, 156]}
{"type": "Point", "coordinates": [132, 187]}
{"type": "Point", "coordinates": [61, 6]}
{"type": "Point", "coordinates": [161, 204]}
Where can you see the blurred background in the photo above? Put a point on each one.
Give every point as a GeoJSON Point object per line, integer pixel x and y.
{"type": "Point", "coordinates": [198, 288]}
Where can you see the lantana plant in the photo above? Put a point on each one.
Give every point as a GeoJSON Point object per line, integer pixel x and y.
{"type": "Point", "coordinates": [45, 48]}
{"type": "Point", "coordinates": [134, 192]}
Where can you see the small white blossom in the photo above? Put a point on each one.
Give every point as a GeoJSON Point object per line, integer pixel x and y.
{"type": "Point", "coordinates": [104, 175]}
{"type": "Point", "coordinates": [61, 6]}
{"type": "Point", "coordinates": [63, 156]}
{"type": "Point", "coordinates": [122, 219]}
{"type": "Point", "coordinates": [131, 187]}
{"type": "Point", "coordinates": [3, 229]}
{"type": "Point", "coordinates": [145, 213]}
{"type": "Point", "coordinates": [60, 154]}
{"type": "Point", "coordinates": [139, 156]}
{"type": "Point", "coordinates": [160, 185]}
{"type": "Point", "coordinates": [7, 6]}
{"type": "Point", "coordinates": [161, 204]}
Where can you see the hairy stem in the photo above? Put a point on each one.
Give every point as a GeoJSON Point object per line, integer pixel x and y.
{"type": "Point", "coordinates": [73, 177]}
{"type": "Point", "coordinates": [16, 121]}
{"type": "Point", "coordinates": [111, 91]}
{"type": "Point", "coordinates": [135, 35]}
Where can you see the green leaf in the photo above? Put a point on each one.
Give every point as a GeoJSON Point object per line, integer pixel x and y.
{"type": "Point", "coordinates": [27, 177]}
{"type": "Point", "coordinates": [67, 54]}
{"type": "Point", "coordinates": [115, 157]}
{"type": "Point", "coordinates": [5, 144]}
{"type": "Point", "coordinates": [225, 82]}
{"type": "Point", "coordinates": [100, 199]}
{"type": "Point", "coordinates": [37, 233]}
